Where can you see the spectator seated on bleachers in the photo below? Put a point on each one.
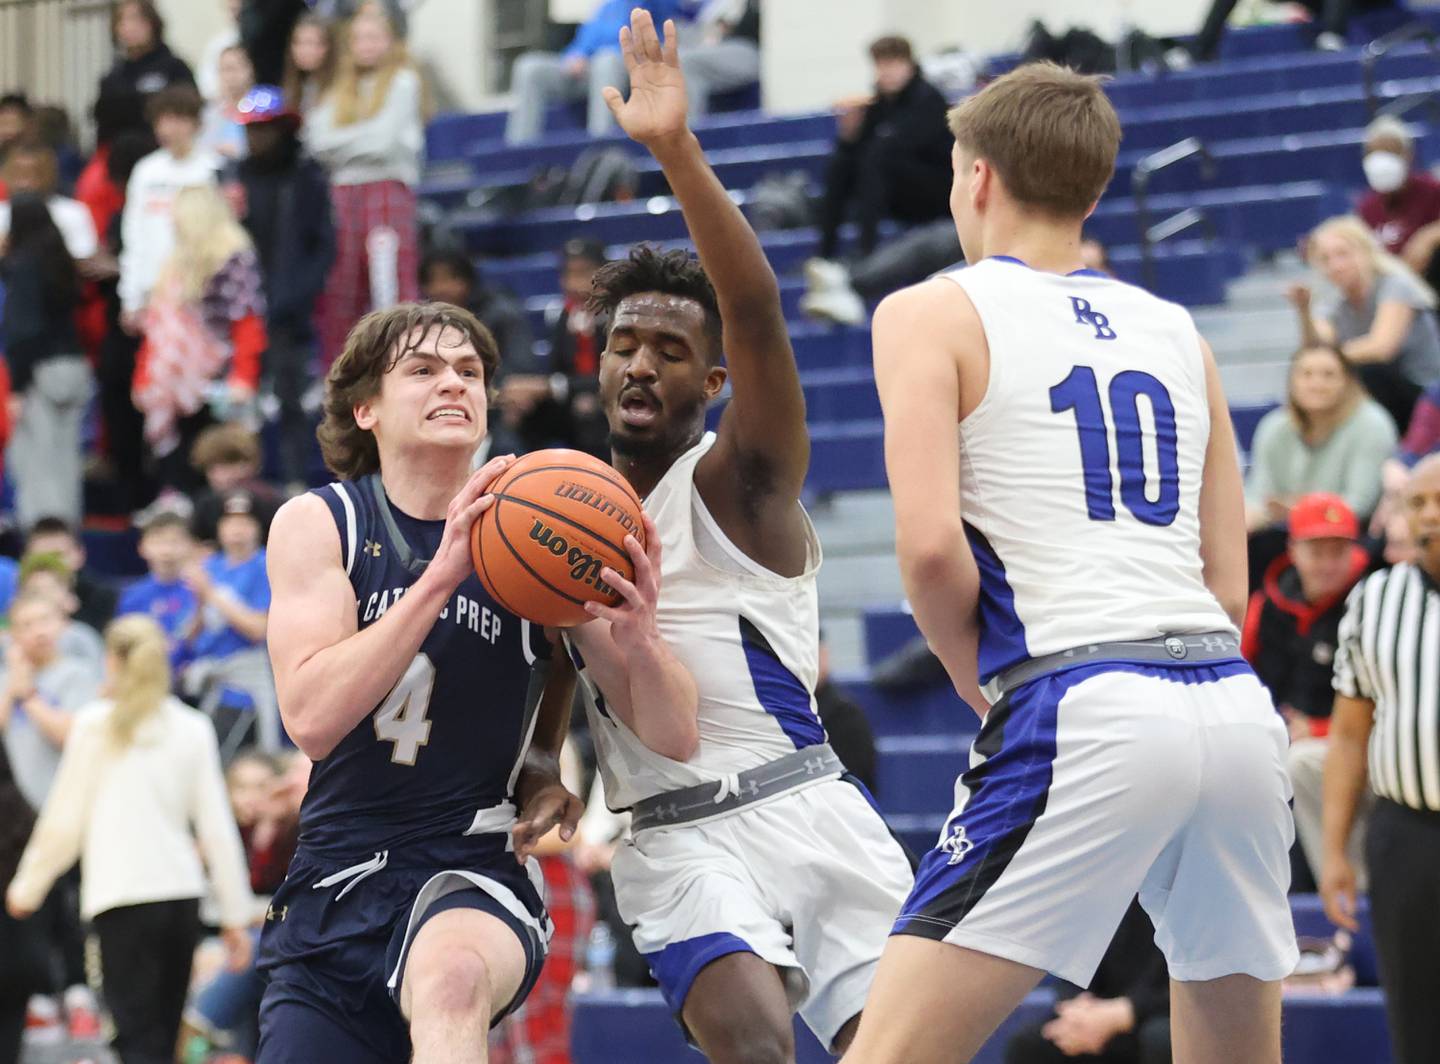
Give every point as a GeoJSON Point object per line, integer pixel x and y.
{"type": "Point", "coordinates": [1328, 436]}
{"type": "Point", "coordinates": [96, 599]}
{"type": "Point", "coordinates": [228, 457]}
{"type": "Point", "coordinates": [1403, 204]}
{"type": "Point", "coordinates": [1123, 1018]}
{"type": "Point", "coordinates": [228, 671]}
{"type": "Point", "coordinates": [892, 160]}
{"type": "Point", "coordinates": [265, 796]}
{"type": "Point", "coordinates": [583, 71]}
{"type": "Point", "coordinates": [41, 687]}
{"type": "Point", "coordinates": [282, 197]}
{"type": "Point", "coordinates": [51, 576]}
{"type": "Point", "coordinates": [1291, 631]}
{"type": "Point", "coordinates": [555, 402]}
{"type": "Point", "coordinates": [1384, 321]}
{"type": "Point", "coordinates": [162, 594]}
{"type": "Point", "coordinates": [1333, 17]}
{"type": "Point", "coordinates": [720, 50]}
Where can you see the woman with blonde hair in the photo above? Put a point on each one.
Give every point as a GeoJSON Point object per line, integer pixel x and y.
{"type": "Point", "coordinates": [309, 63]}
{"type": "Point", "coordinates": [1384, 321]}
{"type": "Point", "coordinates": [204, 332]}
{"type": "Point", "coordinates": [368, 132]}
{"type": "Point", "coordinates": [139, 785]}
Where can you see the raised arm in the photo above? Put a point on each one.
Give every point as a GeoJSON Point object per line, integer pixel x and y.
{"type": "Point", "coordinates": [1222, 504]}
{"type": "Point", "coordinates": [766, 416]}
{"type": "Point", "coordinates": [919, 383]}
{"type": "Point", "coordinates": [329, 675]}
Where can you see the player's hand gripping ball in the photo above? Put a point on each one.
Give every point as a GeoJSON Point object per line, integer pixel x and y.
{"type": "Point", "coordinates": [559, 517]}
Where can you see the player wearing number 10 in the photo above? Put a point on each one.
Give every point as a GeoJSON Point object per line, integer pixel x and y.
{"type": "Point", "coordinates": [1075, 555]}
{"type": "Point", "coordinates": [406, 922]}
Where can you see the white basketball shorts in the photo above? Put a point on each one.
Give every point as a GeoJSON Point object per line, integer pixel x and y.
{"type": "Point", "coordinates": [1091, 785]}
{"type": "Point", "coordinates": [810, 881]}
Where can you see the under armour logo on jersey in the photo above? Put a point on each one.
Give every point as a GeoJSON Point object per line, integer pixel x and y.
{"type": "Point", "coordinates": [957, 845]}
{"type": "Point", "coordinates": [372, 548]}
{"type": "Point", "coordinates": [272, 913]}
{"type": "Point", "coordinates": [1086, 315]}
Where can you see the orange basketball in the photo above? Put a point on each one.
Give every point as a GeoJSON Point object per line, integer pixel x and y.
{"type": "Point", "coordinates": [559, 517]}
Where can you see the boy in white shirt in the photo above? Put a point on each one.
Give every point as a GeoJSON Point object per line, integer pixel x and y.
{"type": "Point", "coordinates": [147, 232]}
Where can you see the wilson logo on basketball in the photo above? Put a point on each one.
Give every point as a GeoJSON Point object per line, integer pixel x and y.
{"type": "Point", "coordinates": [602, 503]}
{"type": "Point", "coordinates": [584, 566]}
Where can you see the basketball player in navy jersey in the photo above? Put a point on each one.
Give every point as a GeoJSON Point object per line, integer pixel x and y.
{"type": "Point", "coordinates": [406, 923]}
{"type": "Point", "coordinates": [1070, 529]}
{"type": "Point", "coordinates": [759, 880]}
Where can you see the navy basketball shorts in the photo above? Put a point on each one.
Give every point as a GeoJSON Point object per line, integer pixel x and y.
{"type": "Point", "coordinates": [1091, 785]}
{"type": "Point", "coordinates": [337, 937]}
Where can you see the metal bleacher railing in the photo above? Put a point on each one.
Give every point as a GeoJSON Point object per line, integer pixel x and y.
{"type": "Point", "coordinates": [1145, 170]}
{"type": "Point", "coordinates": [55, 51]}
{"type": "Point", "coordinates": [1377, 49]}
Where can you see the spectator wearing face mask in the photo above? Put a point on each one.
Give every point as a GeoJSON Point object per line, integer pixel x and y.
{"type": "Point", "coordinates": [1403, 204]}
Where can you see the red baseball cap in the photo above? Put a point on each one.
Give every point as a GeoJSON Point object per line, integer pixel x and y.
{"type": "Point", "coordinates": [1322, 515]}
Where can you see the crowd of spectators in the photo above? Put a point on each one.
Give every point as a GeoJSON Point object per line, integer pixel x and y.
{"type": "Point", "coordinates": [188, 282]}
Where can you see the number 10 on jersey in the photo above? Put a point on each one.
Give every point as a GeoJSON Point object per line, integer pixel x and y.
{"type": "Point", "coordinates": [1080, 392]}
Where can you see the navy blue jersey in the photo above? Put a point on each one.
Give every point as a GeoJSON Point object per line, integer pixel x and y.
{"type": "Point", "coordinates": [448, 740]}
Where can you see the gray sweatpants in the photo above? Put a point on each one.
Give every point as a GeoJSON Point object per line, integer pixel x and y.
{"type": "Point", "coordinates": [540, 78]}
{"type": "Point", "coordinates": [1306, 763]}
{"type": "Point", "coordinates": [44, 455]}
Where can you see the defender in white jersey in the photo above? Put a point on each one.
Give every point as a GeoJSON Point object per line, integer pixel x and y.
{"type": "Point", "coordinates": [1074, 548]}
{"type": "Point", "coordinates": [759, 879]}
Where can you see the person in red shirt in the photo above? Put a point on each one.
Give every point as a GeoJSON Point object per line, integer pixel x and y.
{"type": "Point", "coordinates": [1403, 204]}
{"type": "Point", "coordinates": [1291, 631]}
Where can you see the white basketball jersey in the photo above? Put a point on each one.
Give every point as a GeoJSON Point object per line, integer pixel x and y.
{"type": "Point", "coordinates": [749, 637]}
{"type": "Point", "coordinates": [1080, 468]}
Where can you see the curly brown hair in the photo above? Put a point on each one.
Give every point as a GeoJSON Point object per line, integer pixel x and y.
{"type": "Point", "coordinates": [376, 343]}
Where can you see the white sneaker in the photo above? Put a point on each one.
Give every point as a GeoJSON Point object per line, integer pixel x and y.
{"type": "Point", "coordinates": [1178, 58]}
{"type": "Point", "coordinates": [1329, 42]}
{"type": "Point", "coordinates": [823, 274]}
{"type": "Point", "coordinates": [43, 1025]}
{"type": "Point", "coordinates": [840, 304]}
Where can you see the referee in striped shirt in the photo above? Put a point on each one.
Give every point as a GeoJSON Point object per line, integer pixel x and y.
{"type": "Point", "coordinates": [1386, 724]}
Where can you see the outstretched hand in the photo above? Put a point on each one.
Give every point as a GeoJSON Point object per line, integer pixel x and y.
{"type": "Point", "coordinates": [656, 109]}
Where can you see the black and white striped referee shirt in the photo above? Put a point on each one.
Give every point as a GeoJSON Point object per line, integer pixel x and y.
{"type": "Point", "coordinates": [1389, 653]}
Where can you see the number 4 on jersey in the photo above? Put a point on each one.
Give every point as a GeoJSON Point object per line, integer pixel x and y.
{"type": "Point", "coordinates": [402, 717]}
{"type": "Point", "coordinates": [1080, 392]}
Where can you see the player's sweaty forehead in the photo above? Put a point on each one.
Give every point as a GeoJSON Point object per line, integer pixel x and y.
{"type": "Point", "coordinates": [439, 344]}
{"type": "Point", "coordinates": [661, 313]}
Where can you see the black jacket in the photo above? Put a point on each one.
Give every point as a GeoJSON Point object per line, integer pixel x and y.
{"type": "Point", "coordinates": [97, 601]}
{"type": "Point", "coordinates": [38, 322]}
{"type": "Point", "coordinates": [287, 214]}
{"type": "Point", "coordinates": [501, 311]}
{"type": "Point", "coordinates": [130, 82]}
{"type": "Point", "coordinates": [1290, 643]}
{"type": "Point", "coordinates": [910, 123]}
